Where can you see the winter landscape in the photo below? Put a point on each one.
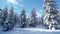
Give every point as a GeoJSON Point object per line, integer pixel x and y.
{"type": "Point", "coordinates": [29, 17]}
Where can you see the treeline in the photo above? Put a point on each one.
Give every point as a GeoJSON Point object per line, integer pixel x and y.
{"type": "Point", "coordinates": [9, 20]}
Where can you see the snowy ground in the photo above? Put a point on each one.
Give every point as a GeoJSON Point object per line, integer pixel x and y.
{"type": "Point", "coordinates": [37, 30]}
{"type": "Point", "coordinates": [30, 31]}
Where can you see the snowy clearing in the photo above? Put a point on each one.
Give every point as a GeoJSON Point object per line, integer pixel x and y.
{"type": "Point", "coordinates": [37, 29]}
{"type": "Point", "coordinates": [31, 31]}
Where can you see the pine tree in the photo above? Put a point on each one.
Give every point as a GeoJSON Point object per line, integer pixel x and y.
{"type": "Point", "coordinates": [4, 15]}
{"type": "Point", "coordinates": [51, 12]}
{"type": "Point", "coordinates": [32, 18]}
{"type": "Point", "coordinates": [9, 23]}
{"type": "Point", "coordinates": [16, 20]}
{"type": "Point", "coordinates": [59, 16]}
{"type": "Point", "coordinates": [0, 15]}
{"type": "Point", "coordinates": [23, 22]}
{"type": "Point", "coordinates": [11, 18]}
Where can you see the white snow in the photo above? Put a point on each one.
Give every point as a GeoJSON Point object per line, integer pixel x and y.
{"type": "Point", "coordinates": [30, 31]}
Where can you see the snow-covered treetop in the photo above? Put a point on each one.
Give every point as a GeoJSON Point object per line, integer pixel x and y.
{"type": "Point", "coordinates": [11, 12]}
{"type": "Point", "coordinates": [50, 6]}
{"type": "Point", "coordinates": [23, 11]}
{"type": "Point", "coordinates": [33, 12]}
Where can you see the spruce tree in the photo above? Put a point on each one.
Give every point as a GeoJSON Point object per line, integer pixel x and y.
{"type": "Point", "coordinates": [16, 20]}
{"type": "Point", "coordinates": [4, 15]}
{"type": "Point", "coordinates": [9, 23]}
{"type": "Point", "coordinates": [32, 18]}
{"type": "Point", "coordinates": [51, 12]}
{"type": "Point", "coordinates": [0, 15]}
{"type": "Point", "coordinates": [23, 22]}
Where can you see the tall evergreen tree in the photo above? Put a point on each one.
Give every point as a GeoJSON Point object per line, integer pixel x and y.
{"type": "Point", "coordinates": [32, 18]}
{"type": "Point", "coordinates": [16, 20]}
{"type": "Point", "coordinates": [0, 15]}
{"type": "Point", "coordinates": [51, 12]}
{"type": "Point", "coordinates": [9, 23]}
{"type": "Point", "coordinates": [23, 22]}
{"type": "Point", "coordinates": [4, 15]}
{"type": "Point", "coordinates": [59, 16]}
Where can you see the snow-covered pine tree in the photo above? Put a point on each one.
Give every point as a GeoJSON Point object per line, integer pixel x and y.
{"type": "Point", "coordinates": [59, 16]}
{"type": "Point", "coordinates": [51, 12]}
{"type": "Point", "coordinates": [0, 15]}
{"type": "Point", "coordinates": [11, 18]}
{"type": "Point", "coordinates": [9, 23]}
{"type": "Point", "coordinates": [3, 16]}
{"type": "Point", "coordinates": [32, 18]}
{"type": "Point", "coordinates": [23, 22]}
{"type": "Point", "coordinates": [16, 20]}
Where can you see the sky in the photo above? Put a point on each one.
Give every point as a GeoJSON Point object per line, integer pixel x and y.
{"type": "Point", "coordinates": [27, 4]}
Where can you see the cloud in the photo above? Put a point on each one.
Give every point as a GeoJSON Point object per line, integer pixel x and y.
{"type": "Point", "coordinates": [15, 2]}
{"type": "Point", "coordinates": [39, 13]}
